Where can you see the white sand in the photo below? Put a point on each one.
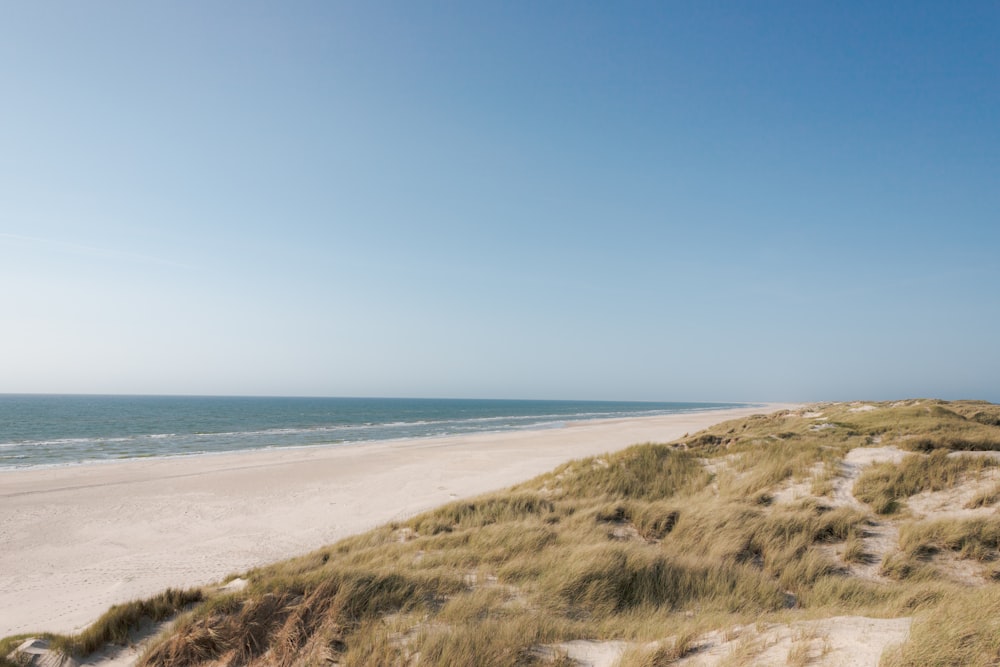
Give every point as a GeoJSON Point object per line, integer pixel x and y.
{"type": "Point", "coordinates": [840, 641]}
{"type": "Point", "coordinates": [77, 539]}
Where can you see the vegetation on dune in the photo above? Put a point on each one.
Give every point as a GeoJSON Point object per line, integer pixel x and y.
{"type": "Point", "coordinates": [115, 626]}
{"type": "Point", "coordinates": [976, 539]}
{"type": "Point", "coordinates": [964, 629]}
{"type": "Point", "coordinates": [658, 542]}
{"type": "Point", "coordinates": [885, 485]}
{"type": "Point", "coordinates": [984, 498]}
{"type": "Point", "coordinates": [642, 472]}
{"type": "Point", "coordinates": [118, 622]}
{"type": "Point", "coordinates": [927, 425]}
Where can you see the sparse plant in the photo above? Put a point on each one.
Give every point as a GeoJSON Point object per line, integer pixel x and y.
{"type": "Point", "coordinates": [661, 654]}
{"type": "Point", "coordinates": [854, 549]}
{"type": "Point", "coordinates": [798, 653]}
{"type": "Point", "coordinates": [984, 498]}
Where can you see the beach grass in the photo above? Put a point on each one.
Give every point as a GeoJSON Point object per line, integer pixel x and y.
{"type": "Point", "coordinates": [655, 545]}
{"type": "Point", "coordinates": [120, 622]}
{"type": "Point", "coordinates": [885, 486]}
{"type": "Point", "coordinates": [961, 630]}
{"type": "Point", "coordinates": [984, 498]}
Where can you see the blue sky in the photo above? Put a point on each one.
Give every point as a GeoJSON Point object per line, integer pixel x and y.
{"type": "Point", "coordinates": [664, 201]}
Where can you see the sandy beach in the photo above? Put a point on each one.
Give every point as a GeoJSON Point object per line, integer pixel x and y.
{"type": "Point", "coordinates": [78, 539]}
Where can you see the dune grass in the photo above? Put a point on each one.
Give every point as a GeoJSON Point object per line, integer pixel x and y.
{"type": "Point", "coordinates": [854, 548]}
{"type": "Point", "coordinates": [885, 486]}
{"type": "Point", "coordinates": [976, 539]}
{"type": "Point", "coordinates": [656, 543]}
{"type": "Point", "coordinates": [984, 498]}
{"type": "Point", "coordinates": [117, 624]}
{"type": "Point", "coordinates": [641, 472]}
{"type": "Point", "coordinates": [926, 425]}
{"type": "Point", "coordinates": [660, 654]}
{"type": "Point", "coordinates": [962, 630]}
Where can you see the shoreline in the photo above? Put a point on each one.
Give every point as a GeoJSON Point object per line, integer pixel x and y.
{"type": "Point", "coordinates": [553, 425]}
{"type": "Point", "coordinates": [79, 538]}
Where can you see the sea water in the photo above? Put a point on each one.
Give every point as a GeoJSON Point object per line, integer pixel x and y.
{"type": "Point", "coordinates": [45, 430]}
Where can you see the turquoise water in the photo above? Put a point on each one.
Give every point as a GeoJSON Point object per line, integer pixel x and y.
{"type": "Point", "coordinates": [40, 430]}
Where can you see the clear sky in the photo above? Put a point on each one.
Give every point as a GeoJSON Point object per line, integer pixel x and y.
{"type": "Point", "coordinates": [620, 200]}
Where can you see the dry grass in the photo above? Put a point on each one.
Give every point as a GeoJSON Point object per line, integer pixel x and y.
{"type": "Point", "coordinates": [885, 486]}
{"type": "Point", "coordinates": [762, 464]}
{"type": "Point", "coordinates": [984, 498]}
{"type": "Point", "coordinates": [642, 472]}
{"type": "Point", "coordinates": [901, 565]}
{"type": "Point", "coordinates": [501, 642]}
{"type": "Point", "coordinates": [637, 545]}
{"type": "Point", "coordinates": [118, 625]}
{"type": "Point", "coordinates": [807, 645]}
{"type": "Point", "coordinates": [977, 539]}
{"type": "Point", "coordinates": [120, 622]}
{"type": "Point", "coordinates": [660, 654]}
{"type": "Point", "coordinates": [823, 483]}
{"type": "Point", "coordinates": [926, 425]}
{"type": "Point", "coordinates": [854, 548]}
{"type": "Point", "coordinates": [963, 630]}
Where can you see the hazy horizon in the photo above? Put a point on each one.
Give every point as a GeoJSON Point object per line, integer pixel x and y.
{"type": "Point", "coordinates": [512, 399]}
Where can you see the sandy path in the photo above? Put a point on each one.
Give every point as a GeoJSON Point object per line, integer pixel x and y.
{"type": "Point", "coordinates": [840, 641]}
{"type": "Point", "coordinates": [75, 540]}
{"type": "Point", "coordinates": [882, 535]}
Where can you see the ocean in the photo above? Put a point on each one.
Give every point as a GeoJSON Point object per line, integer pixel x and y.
{"type": "Point", "coordinates": [47, 430]}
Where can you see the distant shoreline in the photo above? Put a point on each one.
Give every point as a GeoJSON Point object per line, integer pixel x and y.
{"type": "Point", "coordinates": [415, 440]}
{"type": "Point", "coordinates": [54, 430]}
